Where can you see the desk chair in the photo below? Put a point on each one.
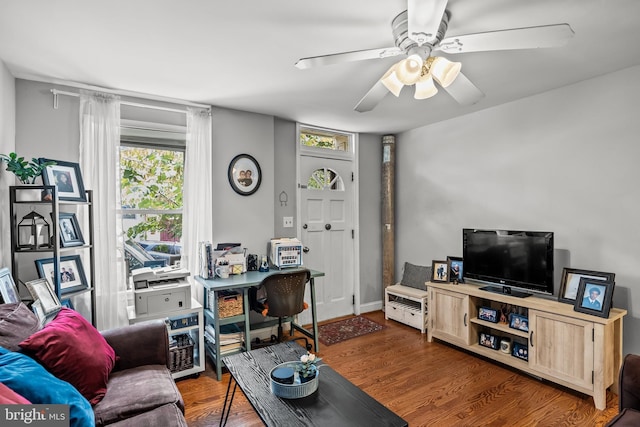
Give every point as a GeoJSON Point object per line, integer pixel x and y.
{"type": "Point", "coordinates": [284, 291]}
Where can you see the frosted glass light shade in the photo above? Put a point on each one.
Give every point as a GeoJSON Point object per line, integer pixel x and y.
{"type": "Point", "coordinates": [409, 69]}
{"type": "Point", "coordinates": [390, 81]}
{"type": "Point", "coordinates": [444, 71]}
{"type": "Point", "coordinates": [425, 88]}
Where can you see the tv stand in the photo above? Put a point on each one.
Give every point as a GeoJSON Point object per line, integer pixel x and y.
{"type": "Point", "coordinates": [506, 290]}
{"type": "Point", "coordinates": [573, 349]}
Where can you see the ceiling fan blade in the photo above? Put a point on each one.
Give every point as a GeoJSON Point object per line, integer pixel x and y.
{"type": "Point", "coordinates": [357, 55]}
{"type": "Point", "coordinates": [423, 19]}
{"type": "Point", "coordinates": [463, 91]}
{"type": "Point", "coordinates": [372, 98]}
{"type": "Point", "coordinates": [516, 38]}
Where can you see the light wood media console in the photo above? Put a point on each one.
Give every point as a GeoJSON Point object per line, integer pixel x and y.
{"type": "Point", "coordinates": [576, 350]}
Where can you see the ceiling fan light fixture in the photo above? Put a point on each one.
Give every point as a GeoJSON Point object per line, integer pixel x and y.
{"type": "Point", "coordinates": [391, 82]}
{"type": "Point", "coordinates": [409, 69]}
{"type": "Point", "coordinates": [425, 88]}
{"type": "Point", "coordinates": [443, 70]}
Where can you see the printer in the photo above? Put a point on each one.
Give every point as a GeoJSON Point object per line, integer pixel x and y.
{"type": "Point", "coordinates": [161, 290]}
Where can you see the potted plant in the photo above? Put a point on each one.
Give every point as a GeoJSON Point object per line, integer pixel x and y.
{"type": "Point", "coordinates": [307, 368]}
{"type": "Point", "coordinates": [25, 171]}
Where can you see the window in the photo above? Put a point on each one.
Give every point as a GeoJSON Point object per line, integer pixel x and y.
{"type": "Point", "coordinates": [151, 188]}
{"type": "Point", "coordinates": [321, 139]}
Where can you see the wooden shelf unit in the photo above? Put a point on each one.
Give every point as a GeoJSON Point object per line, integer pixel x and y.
{"type": "Point", "coordinates": [576, 350]}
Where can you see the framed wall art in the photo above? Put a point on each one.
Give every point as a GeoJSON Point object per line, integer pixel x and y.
{"type": "Point", "coordinates": [8, 288]}
{"type": "Point", "coordinates": [244, 174]}
{"type": "Point", "coordinates": [66, 177]}
{"type": "Point", "coordinates": [439, 271]}
{"type": "Point", "coordinates": [72, 277]}
{"type": "Point", "coordinates": [571, 280]}
{"type": "Point", "coordinates": [70, 234]}
{"type": "Point", "coordinates": [594, 297]}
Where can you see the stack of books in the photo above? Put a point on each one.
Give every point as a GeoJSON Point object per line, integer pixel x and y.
{"type": "Point", "coordinates": [231, 337]}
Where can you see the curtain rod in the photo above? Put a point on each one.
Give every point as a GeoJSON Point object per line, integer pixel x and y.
{"type": "Point", "coordinates": [57, 92]}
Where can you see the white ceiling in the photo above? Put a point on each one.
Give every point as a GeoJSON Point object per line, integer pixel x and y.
{"type": "Point", "coordinates": [240, 54]}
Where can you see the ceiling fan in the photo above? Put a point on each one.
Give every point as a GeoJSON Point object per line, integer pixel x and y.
{"type": "Point", "coordinates": [419, 33]}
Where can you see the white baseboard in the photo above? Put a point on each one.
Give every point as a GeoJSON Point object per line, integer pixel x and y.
{"type": "Point", "coordinates": [370, 306]}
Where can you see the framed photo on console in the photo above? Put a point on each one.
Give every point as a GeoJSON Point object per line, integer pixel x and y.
{"type": "Point", "coordinates": [571, 280]}
{"type": "Point", "coordinates": [455, 269]}
{"type": "Point", "coordinates": [594, 297]}
{"type": "Point", "coordinates": [440, 271]}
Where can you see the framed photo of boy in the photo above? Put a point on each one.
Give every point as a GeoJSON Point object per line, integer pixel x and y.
{"type": "Point", "coordinates": [72, 277]}
{"type": "Point", "coordinates": [571, 280]}
{"type": "Point", "coordinates": [594, 297]}
{"type": "Point", "coordinates": [70, 234]}
{"type": "Point", "coordinates": [244, 174]}
{"type": "Point", "coordinates": [8, 288]}
{"type": "Point", "coordinates": [66, 177]}
{"type": "Point", "coordinates": [440, 271]}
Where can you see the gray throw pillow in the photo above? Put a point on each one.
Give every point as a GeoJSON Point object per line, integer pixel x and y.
{"type": "Point", "coordinates": [17, 323]}
{"type": "Point", "coordinates": [415, 276]}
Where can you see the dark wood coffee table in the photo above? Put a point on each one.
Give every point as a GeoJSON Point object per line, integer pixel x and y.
{"type": "Point", "coordinates": [337, 402]}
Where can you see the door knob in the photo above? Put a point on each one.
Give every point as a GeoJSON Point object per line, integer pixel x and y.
{"type": "Point", "coordinates": [327, 226]}
{"type": "Point", "coordinates": [305, 226]}
{"type": "Point", "coordinates": [305, 249]}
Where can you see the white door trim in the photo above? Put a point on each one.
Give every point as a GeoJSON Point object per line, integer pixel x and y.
{"type": "Point", "coordinates": [355, 210]}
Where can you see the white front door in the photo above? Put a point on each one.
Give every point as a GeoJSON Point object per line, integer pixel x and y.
{"type": "Point", "coordinates": [326, 218]}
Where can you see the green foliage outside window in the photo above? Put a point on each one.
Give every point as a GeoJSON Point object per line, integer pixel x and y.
{"type": "Point", "coordinates": [153, 179]}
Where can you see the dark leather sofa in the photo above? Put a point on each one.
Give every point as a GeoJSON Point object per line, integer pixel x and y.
{"type": "Point", "coordinates": [629, 393]}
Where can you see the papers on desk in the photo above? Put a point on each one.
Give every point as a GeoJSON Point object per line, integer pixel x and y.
{"type": "Point", "coordinates": [231, 337]}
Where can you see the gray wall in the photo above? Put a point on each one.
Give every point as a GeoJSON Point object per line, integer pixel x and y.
{"type": "Point", "coordinates": [370, 187]}
{"type": "Point", "coordinates": [285, 176]}
{"type": "Point", "coordinates": [7, 145]}
{"type": "Point", "coordinates": [563, 161]}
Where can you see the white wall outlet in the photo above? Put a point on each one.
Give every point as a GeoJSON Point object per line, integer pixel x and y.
{"type": "Point", "coordinates": [287, 221]}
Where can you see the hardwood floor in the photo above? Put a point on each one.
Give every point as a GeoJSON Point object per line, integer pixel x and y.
{"type": "Point", "coordinates": [427, 384]}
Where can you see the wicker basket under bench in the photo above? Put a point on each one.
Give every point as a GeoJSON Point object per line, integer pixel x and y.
{"type": "Point", "coordinates": [406, 305]}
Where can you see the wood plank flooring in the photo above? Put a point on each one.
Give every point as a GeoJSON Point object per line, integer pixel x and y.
{"type": "Point", "coordinates": [427, 384]}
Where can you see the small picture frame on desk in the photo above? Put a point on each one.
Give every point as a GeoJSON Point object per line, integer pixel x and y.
{"type": "Point", "coordinates": [440, 271]}
{"type": "Point", "coordinates": [594, 297]}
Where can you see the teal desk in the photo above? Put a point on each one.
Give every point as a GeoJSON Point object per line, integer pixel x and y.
{"type": "Point", "coordinates": [242, 283]}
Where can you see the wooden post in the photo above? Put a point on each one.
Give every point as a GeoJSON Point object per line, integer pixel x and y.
{"type": "Point", "coordinates": [388, 226]}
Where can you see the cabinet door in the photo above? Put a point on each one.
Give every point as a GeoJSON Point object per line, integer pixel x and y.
{"type": "Point", "coordinates": [561, 347]}
{"type": "Point", "coordinates": [449, 313]}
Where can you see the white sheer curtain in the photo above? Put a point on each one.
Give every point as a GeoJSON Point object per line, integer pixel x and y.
{"type": "Point", "coordinates": [197, 196]}
{"type": "Point", "coordinates": [99, 142]}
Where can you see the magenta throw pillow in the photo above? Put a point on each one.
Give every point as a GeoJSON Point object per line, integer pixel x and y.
{"type": "Point", "coordinates": [73, 350]}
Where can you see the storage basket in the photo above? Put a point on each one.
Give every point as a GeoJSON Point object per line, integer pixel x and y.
{"type": "Point", "coordinates": [295, 390]}
{"type": "Point", "coordinates": [181, 353]}
{"type": "Point", "coordinates": [229, 303]}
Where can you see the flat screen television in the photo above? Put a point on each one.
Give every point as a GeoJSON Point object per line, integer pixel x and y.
{"type": "Point", "coordinates": [506, 259]}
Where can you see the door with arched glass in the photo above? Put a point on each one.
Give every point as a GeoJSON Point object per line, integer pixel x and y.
{"type": "Point", "coordinates": [326, 218]}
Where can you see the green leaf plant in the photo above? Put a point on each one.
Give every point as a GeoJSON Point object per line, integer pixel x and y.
{"type": "Point", "coordinates": [25, 171]}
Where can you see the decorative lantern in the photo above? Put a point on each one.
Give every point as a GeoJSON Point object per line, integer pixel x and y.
{"type": "Point", "coordinates": [33, 232]}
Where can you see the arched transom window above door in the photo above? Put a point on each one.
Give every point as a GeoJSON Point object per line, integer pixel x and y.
{"type": "Point", "coordinates": [325, 179]}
